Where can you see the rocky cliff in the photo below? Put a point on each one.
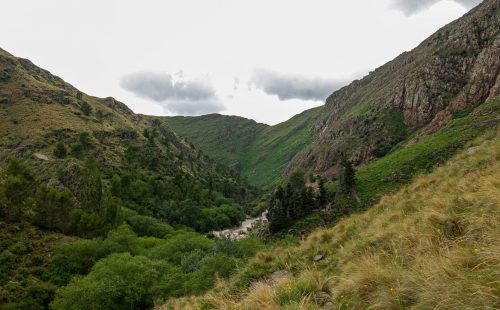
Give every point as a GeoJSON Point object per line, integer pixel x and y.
{"type": "Point", "coordinates": [417, 93]}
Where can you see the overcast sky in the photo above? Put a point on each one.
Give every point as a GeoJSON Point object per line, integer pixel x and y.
{"type": "Point", "coordinates": [262, 59]}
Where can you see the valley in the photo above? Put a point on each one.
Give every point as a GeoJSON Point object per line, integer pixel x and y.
{"type": "Point", "coordinates": [385, 197]}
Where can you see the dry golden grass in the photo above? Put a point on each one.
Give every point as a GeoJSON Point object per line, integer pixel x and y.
{"type": "Point", "coordinates": [434, 244]}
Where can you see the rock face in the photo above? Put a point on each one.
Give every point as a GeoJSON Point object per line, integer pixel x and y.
{"type": "Point", "coordinates": [455, 69]}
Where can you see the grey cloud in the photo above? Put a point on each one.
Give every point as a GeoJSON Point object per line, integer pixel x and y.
{"type": "Point", "coordinates": [173, 92]}
{"type": "Point", "coordinates": [294, 86]}
{"type": "Point", "coordinates": [412, 6]}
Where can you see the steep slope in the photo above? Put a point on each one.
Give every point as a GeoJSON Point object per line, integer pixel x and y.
{"type": "Point", "coordinates": [94, 149]}
{"type": "Point", "coordinates": [260, 152]}
{"type": "Point", "coordinates": [417, 93]}
{"type": "Point", "coordinates": [434, 244]}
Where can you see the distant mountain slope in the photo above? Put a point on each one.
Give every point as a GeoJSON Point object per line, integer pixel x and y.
{"type": "Point", "coordinates": [414, 95]}
{"type": "Point", "coordinates": [259, 151]}
{"type": "Point", "coordinates": [225, 138]}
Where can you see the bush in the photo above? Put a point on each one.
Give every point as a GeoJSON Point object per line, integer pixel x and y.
{"type": "Point", "coordinates": [148, 226]}
{"type": "Point", "coordinates": [120, 281]}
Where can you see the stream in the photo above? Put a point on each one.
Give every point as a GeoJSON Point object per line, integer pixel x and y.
{"type": "Point", "coordinates": [242, 231]}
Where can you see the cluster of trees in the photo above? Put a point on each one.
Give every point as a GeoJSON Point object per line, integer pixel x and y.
{"type": "Point", "coordinates": [76, 149]}
{"type": "Point", "coordinates": [295, 200]}
{"type": "Point", "coordinates": [92, 212]}
{"type": "Point", "coordinates": [92, 209]}
{"type": "Point", "coordinates": [177, 200]}
{"type": "Point", "coordinates": [289, 203]}
{"type": "Point", "coordinates": [152, 181]}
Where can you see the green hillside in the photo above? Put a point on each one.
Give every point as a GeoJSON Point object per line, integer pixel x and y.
{"type": "Point", "coordinates": [260, 152]}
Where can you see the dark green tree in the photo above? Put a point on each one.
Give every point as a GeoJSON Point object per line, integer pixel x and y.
{"type": "Point", "coordinates": [322, 199]}
{"type": "Point", "coordinates": [52, 208]}
{"type": "Point", "coordinates": [277, 214]}
{"type": "Point", "coordinates": [85, 108]}
{"type": "Point", "coordinates": [84, 139]}
{"type": "Point", "coordinates": [90, 194]}
{"type": "Point", "coordinates": [16, 192]}
{"type": "Point", "coordinates": [348, 176]}
{"type": "Point", "coordinates": [60, 150]}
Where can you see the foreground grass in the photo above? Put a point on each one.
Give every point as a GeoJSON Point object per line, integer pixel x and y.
{"type": "Point", "coordinates": [433, 244]}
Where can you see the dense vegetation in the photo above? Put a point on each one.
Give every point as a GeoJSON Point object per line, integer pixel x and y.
{"type": "Point", "coordinates": [182, 256]}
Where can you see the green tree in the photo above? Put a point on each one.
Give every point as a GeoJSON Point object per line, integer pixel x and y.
{"type": "Point", "coordinates": [90, 190]}
{"type": "Point", "coordinates": [52, 208]}
{"type": "Point", "coordinates": [278, 214]}
{"type": "Point", "coordinates": [60, 150]}
{"type": "Point", "coordinates": [322, 199]}
{"type": "Point", "coordinates": [16, 192]}
{"type": "Point", "coordinates": [84, 139]}
{"type": "Point", "coordinates": [348, 176]}
{"type": "Point", "coordinates": [85, 108]}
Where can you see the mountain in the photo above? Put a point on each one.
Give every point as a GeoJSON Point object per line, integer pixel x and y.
{"type": "Point", "coordinates": [38, 111]}
{"type": "Point", "coordinates": [416, 94]}
{"type": "Point", "coordinates": [101, 208]}
{"type": "Point", "coordinates": [260, 152]}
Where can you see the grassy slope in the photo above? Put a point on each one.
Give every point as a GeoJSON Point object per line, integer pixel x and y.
{"type": "Point", "coordinates": [222, 137]}
{"type": "Point", "coordinates": [262, 152]}
{"type": "Point", "coordinates": [433, 244]}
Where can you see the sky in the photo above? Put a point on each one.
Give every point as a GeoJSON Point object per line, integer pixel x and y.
{"type": "Point", "coordinates": [262, 59]}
